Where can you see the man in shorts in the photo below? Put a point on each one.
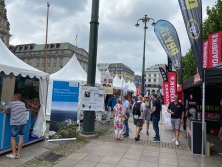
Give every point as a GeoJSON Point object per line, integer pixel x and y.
{"type": "Point", "coordinates": [138, 116]}
{"type": "Point", "coordinates": [18, 120]}
{"type": "Point", "coordinates": [176, 109]}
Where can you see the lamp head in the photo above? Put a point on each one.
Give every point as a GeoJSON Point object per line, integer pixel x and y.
{"type": "Point", "coordinates": [153, 24]}
{"type": "Point", "coordinates": [137, 25]}
{"type": "Point", "coordinates": [145, 19]}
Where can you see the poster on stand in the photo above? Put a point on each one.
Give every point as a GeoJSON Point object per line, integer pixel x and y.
{"type": "Point", "coordinates": [107, 82]}
{"type": "Point", "coordinates": [92, 99]}
{"type": "Point", "coordinates": [64, 110]}
{"type": "Point", "coordinates": [166, 116]}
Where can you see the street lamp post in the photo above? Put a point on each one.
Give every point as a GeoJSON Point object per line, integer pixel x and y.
{"type": "Point", "coordinates": [145, 19]}
{"type": "Point", "coordinates": [46, 37]}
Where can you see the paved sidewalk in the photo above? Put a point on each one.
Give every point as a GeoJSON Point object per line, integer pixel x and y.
{"type": "Point", "coordinates": [105, 151]}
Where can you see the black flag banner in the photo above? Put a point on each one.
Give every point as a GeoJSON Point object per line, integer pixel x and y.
{"type": "Point", "coordinates": [167, 35]}
{"type": "Point", "coordinates": [167, 70]}
{"type": "Point", "coordinates": [169, 65]}
{"type": "Point", "coordinates": [192, 16]}
{"type": "Point", "coordinates": [163, 73]}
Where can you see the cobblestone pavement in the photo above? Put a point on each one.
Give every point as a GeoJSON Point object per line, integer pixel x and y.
{"type": "Point", "coordinates": [35, 155]}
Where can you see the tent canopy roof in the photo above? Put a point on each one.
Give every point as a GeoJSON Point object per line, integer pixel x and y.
{"type": "Point", "coordinates": [9, 63]}
{"type": "Point", "coordinates": [213, 77]}
{"type": "Point", "coordinates": [73, 71]}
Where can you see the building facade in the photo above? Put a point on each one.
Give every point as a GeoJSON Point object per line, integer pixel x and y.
{"type": "Point", "coordinates": [58, 54]}
{"type": "Point", "coordinates": [122, 71]}
{"type": "Point", "coordinates": [103, 67]}
{"type": "Point", "coordinates": [4, 24]}
{"type": "Point", "coordinates": [153, 78]}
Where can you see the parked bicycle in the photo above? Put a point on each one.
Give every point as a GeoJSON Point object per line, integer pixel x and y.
{"type": "Point", "coordinates": [103, 117]}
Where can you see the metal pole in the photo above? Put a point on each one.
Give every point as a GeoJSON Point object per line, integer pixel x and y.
{"type": "Point", "coordinates": [89, 116]}
{"type": "Point", "coordinates": [46, 38]}
{"type": "Point", "coordinates": [203, 150]}
{"type": "Point", "coordinates": [143, 68]}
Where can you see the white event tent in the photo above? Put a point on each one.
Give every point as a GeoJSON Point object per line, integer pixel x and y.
{"type": "Point", "coordinates": [9, 63]}
{"type": "Point", "coordinates": [72, 71]}
{"type": "Point", "coordinates": [117, 82]}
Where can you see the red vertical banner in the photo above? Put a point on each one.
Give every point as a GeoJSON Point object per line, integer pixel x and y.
{"type": "Point", "coordinates": [138, 90]}
{"type": "Point", "coordinates": [172, 82]}
{"type": "Point", "coordinates": [214, 44]}
{"type": "Point", "coordinates": [166, 93]}
{"type": "Point", "coordinates": [205, 54]}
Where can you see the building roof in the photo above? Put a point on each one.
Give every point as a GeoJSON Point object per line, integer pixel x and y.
{"type": "Point", "coordinates": [120, 65]}
{"type": "Point", "coordinates": [40, 47]}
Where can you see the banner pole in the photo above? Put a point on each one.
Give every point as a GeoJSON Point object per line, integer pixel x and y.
{"type": "Point", "coordinates": [203, 121]}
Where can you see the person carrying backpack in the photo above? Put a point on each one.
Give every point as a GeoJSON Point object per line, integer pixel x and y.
{"type": "Point", "coordinates": [138, 116]}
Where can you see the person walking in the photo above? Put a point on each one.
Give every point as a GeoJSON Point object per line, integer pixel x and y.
{"type": "Point", "coordinates": [111, 103]}
{"type": "Point", "coordinates": [147, 112]}
{"type": "Point", "coordinates": [156, 117]}
{"type": "Point", "coordinates": [126, 107]}
{"type": "Point", "coordinates": [118, 123]}
{"type": "Point", "coordinates": [220, 122]}
{"type": "Point", "coordinates": [176, 109]}
{"type": "Point", "coordinates": [18, 120]}
{"type": "Point", "coordinates": [138, 116]}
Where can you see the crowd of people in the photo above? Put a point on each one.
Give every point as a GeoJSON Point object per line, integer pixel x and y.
{"type": "Point", "coordinates": [144, 110]}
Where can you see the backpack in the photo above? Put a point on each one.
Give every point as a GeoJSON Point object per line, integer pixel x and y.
{"type": "Point", "coordinates": [136, 108]}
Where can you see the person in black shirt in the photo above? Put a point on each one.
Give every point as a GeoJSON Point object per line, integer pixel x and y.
{"type": "Point", "coordinates": [156, 117]}
{"type": "Point", "coordinates": [176, 109]}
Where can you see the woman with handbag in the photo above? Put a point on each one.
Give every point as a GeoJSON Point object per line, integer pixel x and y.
{"type": "Point", "coordinates": [220, 122]}
{"type": "Point", "coordinates": [118, 120]}
{"type": "Point", "coordinates": [148, 115]}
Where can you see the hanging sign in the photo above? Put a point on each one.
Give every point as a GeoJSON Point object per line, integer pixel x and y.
{"type": "Point", "coordinates": [107, 82]}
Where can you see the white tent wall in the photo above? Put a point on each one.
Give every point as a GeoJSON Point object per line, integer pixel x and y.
{"type": "Point", "coordinates": [40, 124]}
{"type": "Point", "coordinates": [71, 72]}
{"type": "Point", "coordinates": [9, 63]}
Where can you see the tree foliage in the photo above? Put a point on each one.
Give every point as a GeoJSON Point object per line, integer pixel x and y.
{"type": "Point", "coordinates": [213, 23]}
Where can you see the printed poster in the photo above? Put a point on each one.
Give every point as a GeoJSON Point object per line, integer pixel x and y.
{"type": "Point", "coordinates": [64, 110]}
{"type": "Point", "coordinates": [107, 82]}
{"type": "Point", "coordinates": [166, 116]}
{"type": "Point", "coordinates": [92, 99]}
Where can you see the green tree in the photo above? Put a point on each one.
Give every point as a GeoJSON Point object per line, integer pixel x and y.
{"type": "Point", "coordinates": [189, 66]}
{"type": "Point", "coordinates": [213, 22]}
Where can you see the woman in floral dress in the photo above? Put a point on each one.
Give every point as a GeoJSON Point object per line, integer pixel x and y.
{"type": "Point", "coordinates": [118, 123]}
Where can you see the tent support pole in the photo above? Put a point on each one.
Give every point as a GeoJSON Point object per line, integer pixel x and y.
{"type": "Point", "coordinates": [203, 150]}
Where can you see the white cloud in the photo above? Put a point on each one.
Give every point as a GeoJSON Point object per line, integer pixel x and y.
{"type": "Point", "coordinates": [118, 41]}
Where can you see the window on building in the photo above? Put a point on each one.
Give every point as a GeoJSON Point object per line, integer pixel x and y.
{"type": "Point", "coordinates": [149, 75]}
{"type": "Point", "coordinates": [154, 75]}
{"type": "Point", "coordinates": [149, 80]}
{"type": "Point", "coordinates": [154, 79]}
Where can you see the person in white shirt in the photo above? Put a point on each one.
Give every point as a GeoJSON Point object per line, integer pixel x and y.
{"type": "Point", "coordinates": [126, 107]}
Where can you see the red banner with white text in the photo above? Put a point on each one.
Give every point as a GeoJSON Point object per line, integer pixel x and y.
{"type": "Point", "coordinates": [172, 82]}
{"type": "Point", "coordinates": [138, 90]}
{"type": "Point", "coordinates": [214, 45]}
{"type": "Point", "coordinates": [205, 54]}
{"type": "Point", "coordinates": [166, 93]}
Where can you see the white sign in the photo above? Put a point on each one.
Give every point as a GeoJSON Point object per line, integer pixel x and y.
{"type": "Point", "coordinates": [166, 116]}
{"type": "Point", "coordinates": [92, 99]}
{"type": "Point", "coordinates": [107, 82]}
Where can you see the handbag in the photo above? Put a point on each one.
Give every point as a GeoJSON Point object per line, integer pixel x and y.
{"type": "Point", "coordinates": [123, 118]}
{"type": "Point", "coordinates": [220, 134]}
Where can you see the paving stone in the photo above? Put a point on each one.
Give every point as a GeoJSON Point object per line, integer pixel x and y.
{"type": "Point", "coordinates": [83, 163]}
{"type": "Point", "coordinates": [110, 160]}
{"type": "Point", "coordinates": [127, 163]}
